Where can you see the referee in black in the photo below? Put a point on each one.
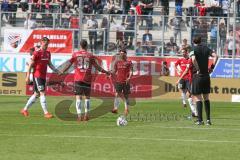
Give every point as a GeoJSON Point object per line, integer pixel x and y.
{"type": "Point", "coordinates": [201, 79]}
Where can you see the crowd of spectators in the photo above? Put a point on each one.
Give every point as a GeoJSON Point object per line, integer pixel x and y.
{"type": "Point", "coordinates": [210, 29]}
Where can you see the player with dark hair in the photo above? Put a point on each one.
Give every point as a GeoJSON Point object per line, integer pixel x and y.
{"type": "Point", "coordinates": [122, 73]}
{"type": "Point", "coordinates": [184, 66]}
{"type": "Point", "coordinates": [39, 62]}
{"type": "Point", "coordinates": [201, 79]}
{"type": "Point", "coordinates": [83, 62]}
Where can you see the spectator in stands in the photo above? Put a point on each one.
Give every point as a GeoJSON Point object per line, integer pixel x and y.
{"type": "Point", "coordinates": [126, 6]}
{"type": "Point", "coordinates": [202, 30]}
{"type": "Point", "coordinates": [225, 9]}
{"type": "Point", "coordinates": [74, 24]}
{"type": "Point", "coordinates": [13, 9]}
{"type": "Point", "coordinates": [215, 9]}
{"type": "Point", "coordinates": [213, 35]}
{"type": "Point", "coordinates": [92, 25]}
{"type": "Point", "coordinates": [139, 50]}
{"type": "Point", "coordinates": [97, 6]}
{"type": "Point", "coordinates": [238, 8]}
{"type": "Point", "coordinates": [87, 6]}
{"type": "Point", "coordinates": [230, 43]}
{"type": "Point", "coordinates": [185, 45]}
{"type": "Point", "coordinates": [146, 37]}
{"type": "Point", "coordinates": [47, 19]}
{"type": "Point", "coordinates": [120, 34]}
{"type": "Point", "coordinates": [30, 23]}
{"type": "Point", "coordinates": [4, 9]}
{"type": "Point", "coordinates": [130, 27]}
{"type": "Point", "coordinates": [66, 17]}
{"type": "Point", "coordinates": [147, 10]}
{"type": "Point", "coordinates": [150, 49]}
{"type": "Point", "coordinates": [111, 8]}
{"type": "Point", "coordinates": [171, 47]}
{"type": "Point", "coordinates": [178, 7]}
{"type": "Point", "coordinates": [222, 34]}
{"type": "Point", "coordinates": [195, 27]}
{"type": "Point", "coordinates": [35, 7]}
{"type": "Point", "coordinates": [165, 12]}
{"type": "Point", "coordinates": [176, 25]}
{"type": "Point", "coordinates": [105, 33]}
{"type": "Point", "coordinates": [201, 8]}
{"type": "Point", "coordinates": [23, 5]}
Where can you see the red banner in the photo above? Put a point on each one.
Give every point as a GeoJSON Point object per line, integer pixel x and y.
{"type": "Point", "coordinates": [60, 40]}
{"type": "Point", "coordinates": [141, 86]}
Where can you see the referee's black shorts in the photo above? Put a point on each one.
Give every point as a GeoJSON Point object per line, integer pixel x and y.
{"type": "Point", "coordinates": [200, 84]}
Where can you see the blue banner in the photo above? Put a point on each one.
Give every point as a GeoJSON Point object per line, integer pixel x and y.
{"type": "Point", "coordinates": [224, 67]}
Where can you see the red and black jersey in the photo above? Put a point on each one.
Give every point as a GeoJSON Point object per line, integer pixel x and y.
{"type": "Point", "coordinates": [41, 60]}
{"type": "Point", "coordinates": [183, 63]}
{"type": "Point", "coordinates": [83, 62]}
{"type": "Point", "coordinates": [122, 69]}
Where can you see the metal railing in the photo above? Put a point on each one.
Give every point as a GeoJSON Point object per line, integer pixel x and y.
{"type": "Point", "coordinates": [162, 28]}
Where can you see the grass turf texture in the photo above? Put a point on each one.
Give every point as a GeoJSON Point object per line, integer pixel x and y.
{"type": "Point", "coordinates": [165, 138]}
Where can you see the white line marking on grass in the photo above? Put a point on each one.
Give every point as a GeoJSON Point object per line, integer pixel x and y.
{"type": "Point", "coordinates": [138, 126]}
{"type": "Point", "coordinates": [194, 128]}
{"type": "Point", "coordinates": [122, 138]}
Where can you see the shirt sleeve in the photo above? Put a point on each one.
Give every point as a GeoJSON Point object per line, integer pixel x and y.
{"type": "Point", "coordinates": [35, 56]}
{"type": "Point", "coordinates": [72, 58]}
{"type": "Point", "coordinates": [177, 63]}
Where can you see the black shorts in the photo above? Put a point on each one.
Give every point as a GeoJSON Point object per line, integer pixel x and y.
{"type": "Point", "coordinates": [122, 88]}
{"type": "Point", "coordinates": [39, 84]}
{"type": "Point", "coordinates": [200, 84]}
{"type": "Point", "coordinates": [184, 84]}
{"type": "Point", "coordinates": [82, 88]}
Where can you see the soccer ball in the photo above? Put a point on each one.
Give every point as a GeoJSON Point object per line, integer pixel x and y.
{"type": "Point", "coordinates": [121, 121]}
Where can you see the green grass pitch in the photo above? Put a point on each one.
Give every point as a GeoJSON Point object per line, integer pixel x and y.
{"type": "Point", "coordinates": [156, 130]}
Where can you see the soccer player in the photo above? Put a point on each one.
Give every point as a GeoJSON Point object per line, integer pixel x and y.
{"type": "Point", "coordinates": [184, 65]}
{"type": "Point", "coordinates": [122, 73]}
{"type": "Point", "coordinates": [201, 79]}
{"type": "Point", "coordinates": [39, 62]}
{"type": "Point", "coordinates": [83, 62]}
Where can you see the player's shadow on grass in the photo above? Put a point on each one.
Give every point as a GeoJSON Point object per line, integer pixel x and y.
{"type": "Point", "coordinates": [62, 109]}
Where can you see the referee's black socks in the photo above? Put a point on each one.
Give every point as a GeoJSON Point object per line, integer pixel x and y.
{"type": "Point", "coordinates": [207, 109]}
{"type": "Point", "coordinates": [199, 110]}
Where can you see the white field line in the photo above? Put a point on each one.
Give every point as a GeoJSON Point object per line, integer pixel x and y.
{"type": "Point", "coordinates": [122, 138]}
{"type": "Point", "coordinates": [193, 128]}
{"type": "Point", "coordinates": [130, 126]}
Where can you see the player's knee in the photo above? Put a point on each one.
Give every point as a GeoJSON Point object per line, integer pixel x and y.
{"type": "Point", "coordinates": [42, 93]}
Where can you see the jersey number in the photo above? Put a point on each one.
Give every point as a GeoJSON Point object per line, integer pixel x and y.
{"type": "Point", "coordinates": [82, 63]}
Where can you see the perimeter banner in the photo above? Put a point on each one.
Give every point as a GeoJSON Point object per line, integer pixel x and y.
{"type": "Point", "coordinates": [21, 40]}
{"type": "Point", "coordinates": [12, 83]}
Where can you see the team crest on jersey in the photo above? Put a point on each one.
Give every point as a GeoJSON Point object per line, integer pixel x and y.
{"type": "Point", "coordinates": [14, 39]}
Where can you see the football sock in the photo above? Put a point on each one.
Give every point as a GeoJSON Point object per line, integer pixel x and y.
{"type": "Point", "coordinates": [207, 109]}
{"type": "Point", "coordinates": [43, 103]}
{"type": "Point", "coordinates": [30, 102]}
{"type": "Point", "coordinates": [199, 110]}
{"type": "Point", "coordinates": [79, 106]}
{"type": "Point", "coordinates": [192, 106]}
{"type": "Point", "coordinates": [116, 102]}
{"type": "Point", "coordinates": [87, 105]}
{"type": "Point", "coordinates": [184, 98]}
{"type": "Point", "coordinates": [126, 104]}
